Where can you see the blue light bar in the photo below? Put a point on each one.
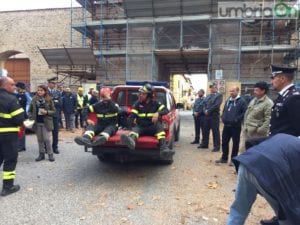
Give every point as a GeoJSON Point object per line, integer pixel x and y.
{"type": "Point", "coordinates": [141, 83]}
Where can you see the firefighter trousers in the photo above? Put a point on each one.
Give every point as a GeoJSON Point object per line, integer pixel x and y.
{"type": "Point", "coordinates": [8, 156]}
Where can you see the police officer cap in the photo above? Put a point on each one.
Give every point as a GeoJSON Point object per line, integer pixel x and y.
{"type": "Point", "coordinates": [52, 80]}
{"type": "Point", "coordinates": [282, 69]}
{"type": "Point", "coordinates": [212, 84]}
{"type": "Point", "coordinates": [20, 85]}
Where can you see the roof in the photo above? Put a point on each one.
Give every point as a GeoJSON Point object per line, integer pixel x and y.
{"type": "Point", "coordinates": [156, 8]}
{"type": "Point", "coordinates": [79, 62]}
{"type": "Point", "coordinates": [69, 56]}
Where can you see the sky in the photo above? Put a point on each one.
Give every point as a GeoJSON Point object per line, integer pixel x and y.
{"type": "Point", "coordinates": [10, 5]}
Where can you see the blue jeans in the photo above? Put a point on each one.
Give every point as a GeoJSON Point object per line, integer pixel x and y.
{"type": "Point", "coordinates": [245, 195]}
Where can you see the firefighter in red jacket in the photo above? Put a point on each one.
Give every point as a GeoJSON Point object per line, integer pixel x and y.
{"type": "Point", "coordinates": [12, 116]}
{"type": "Point", "coordinates": [145, 119]}
{"type": "Point", "coordinates": [107, 125]}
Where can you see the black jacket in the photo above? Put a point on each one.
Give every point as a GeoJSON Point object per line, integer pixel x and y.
{"type": "Point", "coordinates": [12, 114]}
{"type": "Point", "coordinates": [285, 116]}
{"type": "Point", "coordinates": [212, 104]}
{"type": "Point", "coordinates": [233, 112]}
{"type": "Point", "coordinates": [143, 112]}
{"type": "Point", "coordinates": [107, 112]}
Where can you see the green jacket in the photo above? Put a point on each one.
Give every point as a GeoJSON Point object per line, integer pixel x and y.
{"type": "Point", "coordinates": [48, 119]}
{"type": "Point", "coordinates": [257, 117]}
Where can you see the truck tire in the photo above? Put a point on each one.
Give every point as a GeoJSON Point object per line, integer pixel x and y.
{"type": "Point", "coordinates": [105, 157]}
{"type": "Point", "coordinates": [167, 160]}
{"type": "Point", "coordinates": [177, 133]}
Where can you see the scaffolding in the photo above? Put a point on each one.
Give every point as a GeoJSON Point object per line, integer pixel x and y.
{"type": "Point", "coordinates": [152, 39]}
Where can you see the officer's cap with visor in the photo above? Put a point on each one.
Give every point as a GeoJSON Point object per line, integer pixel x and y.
{"type": "Point", "coordinates": [212, 84]}
{"type": "Point", "coordinates": [52, 80]}
{"type": "Point", "coordinates": [21, 85]}
{"type": "Point", "coordinates": [282, 70]}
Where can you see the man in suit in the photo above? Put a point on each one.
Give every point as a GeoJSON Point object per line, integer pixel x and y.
{"type": "Point", "coordinates": [211, 109]}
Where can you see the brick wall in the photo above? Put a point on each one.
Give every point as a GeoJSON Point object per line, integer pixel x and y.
{"type": "Point", "coordinates": [25, 31]}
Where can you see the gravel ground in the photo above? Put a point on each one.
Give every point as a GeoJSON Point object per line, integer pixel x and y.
{"type": "Point", "coordinates": [78, 189]}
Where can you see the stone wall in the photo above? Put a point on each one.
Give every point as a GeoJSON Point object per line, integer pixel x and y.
{"type": "Point", "coordinates": [25, 31]}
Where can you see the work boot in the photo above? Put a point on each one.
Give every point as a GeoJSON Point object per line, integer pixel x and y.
{"type": "Point", "coordinates": [40, 157]}
{"type": "Point", "coordinates": [55, 150]}
{"type": "Point", "coordinates": [221, 161]}
{"type": "Point", "coordinates": [9, 190]}
{"type": "Point", "coordinates": [86, 141]}
{"type": "Point", "coordinates": [202, 146]}
{"type": "Point", "coordinates": [51, 158]}
{"type": "Point", "coordinates": [129, 141]}
{"type": "Point", "coordinates": [273, 221]}
{"type": "Point", "coordinates": [99, 140]}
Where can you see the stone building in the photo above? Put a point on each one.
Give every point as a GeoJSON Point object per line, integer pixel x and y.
{"type": "Point", "coordinates": [24, 32]}
{"type": "Point", "coordinates": [152, 40]}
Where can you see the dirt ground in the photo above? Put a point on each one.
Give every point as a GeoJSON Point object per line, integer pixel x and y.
{"type": "Point", "coordinates": [203, 190]}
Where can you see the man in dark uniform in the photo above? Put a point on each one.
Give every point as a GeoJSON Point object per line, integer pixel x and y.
{"type": "Point", "coordinates": [285, 116]}
{"type": "Point", "coordinates": [198, 115]}
{"type": "Point", "coordinates": [212, 105]}
{"type": "Point", "coordinates": [107, 114]}
{"type": "Point", "coordinates": [24, 100]}
{"type": "Point", "coordinates": [56, 97]}
{"type": "Point", "coordinates": [11, 118]}
{"type": "Point", "coordinates": [145, 119]}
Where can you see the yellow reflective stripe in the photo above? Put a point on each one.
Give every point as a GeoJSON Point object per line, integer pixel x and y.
{"type": "Point", "coordinates": [18, 111]}
{"type": "Point", "coordinates": [134, 111]}
{"type": "Point", "coordinates": [161, 135]}
{"type": "Point", "coordinates": [8, 175]}
{"type": "Point", "coordinates": [80, 100]}
{"type": "Point", "coordinates": [107, 115]}
{"type": "Point", "coordinates": [134, 134]}
{"type": "Point", "coordinates": [91, 108]}
{"type": "Point", "coordinates": [9, 129]}
{"type": "Point", "coordinates": [90, 133]}
{"type": "Point", "coordinates": [145, 114]}
{"type": "Point", "coordinates": [11, 115]}
{"type": "Point", "coordinates": [161, 107]}
{"type": "Point", "coordinates": [5, 116]}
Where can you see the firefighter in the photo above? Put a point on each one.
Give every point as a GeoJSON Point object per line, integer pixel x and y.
{"type": "Point", "coordinates": [145, 119]}
{"type": "Point", "coordinates": [11, 118]}
{"type": "Point", "coordinates": [107, 125]}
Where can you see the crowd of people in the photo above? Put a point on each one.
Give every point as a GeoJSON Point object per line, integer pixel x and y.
{"type": "Point", "coordinates": [269, 166]}
{"type": "Point", "coordinates": [269, 128]}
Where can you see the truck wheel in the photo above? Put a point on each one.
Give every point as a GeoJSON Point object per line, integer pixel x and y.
{"type": "Point", "coordinates": [171, 142]}
{"type": "Point", "coordinates": [177, 133]}
{"type": "Point", "coordinates": [167, 160]}
{"type": "Point", "coordinates": [105, 157]}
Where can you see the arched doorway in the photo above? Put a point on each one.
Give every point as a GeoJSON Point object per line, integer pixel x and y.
{"type": "Point", "coordinates": [17, 64]}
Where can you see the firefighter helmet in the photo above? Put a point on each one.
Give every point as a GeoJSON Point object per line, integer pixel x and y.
{"type": "Point", "coordinates": [105, 92]}
{"type": "Point", "coordinates": [148, 89]}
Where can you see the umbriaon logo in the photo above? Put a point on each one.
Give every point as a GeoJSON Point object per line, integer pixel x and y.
{"type": "Point", "coordinates": [258, 10]}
